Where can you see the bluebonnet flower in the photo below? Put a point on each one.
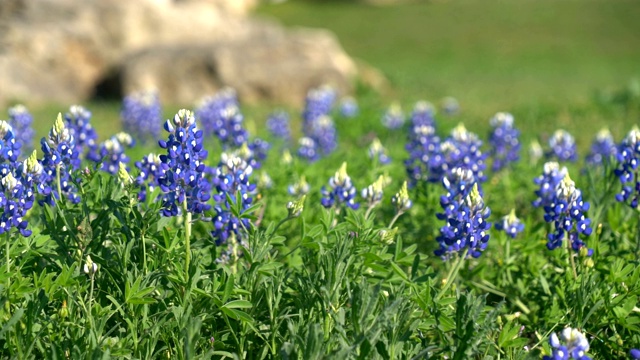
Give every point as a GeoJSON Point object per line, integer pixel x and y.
{"type": "Point", "coordinates": [323, 132]}
{"type": "Point", "coordinates": [424, 155]}
{"type": "Point", "coordinates": [231, 178]}
{"type": "Point", "coordinates": [318, 103]}
{"type": "Point", "coordinates": [259, 149]}
{"type": "Point", "coordinates": [635, 354]}
{"type": "Point", "coordinates": [571, 344]}
{"type": "Point", "coordinates": [535, 152]}
{"type": "Point", "coordinates": [17, 195]}
{"type": "Point", "coordinates": [461, 150]}
{"type": "Point", "coordinates": [112, 152]}
{"type": "Point", "coordinates": [300, 188]}
{"type": "Point", "coordinates": [510, 224]}
{"type": "Point", "coordinates": [85, 137]}
{"type": "Point", "coordinates": [423, 114]}
{"type": "Point", "coordinates": [373, 193]}
{"type": "Point", "coordinates": [465, 215]}
{"type": "Point", "coordinates": [20, 120]}
{"type": "Point", "coordinates": [318, 125]}
{"type": "Point", "coordinates": [150, 171]}
{"type": "Point", "coordinates": [123, 175]}
{"type": "Point", "coordinates": [211, 109]}
{"type": "Point", "coordinates": [603, 148]}
{"type": "Point", "coordinates": [567, 213]}
{"type": "Point", "coordinates": [183, 181]}
{"type": "Point", "coordinates": [348, 107]}
{"type": "Point", "coordinates": [401, 199]}
{"type": "Point", "coordinates": [393, 117]}
{"type": "Point", "coordinates": [562, 146]}
{"type": "Point", "coordinates": [450, 105]}
{"type": "Point", "coordinates": [340, 191]}
{"type": "Point", "coordinates": [378, 153]}
{"type": "Point", "coordinates": [141, 115]}
{"type": "Point", "coordinates": [60, 154]}
{"type": "Point", "coordinates": [308, 149]}
{"type": "Point", "coordinates": [505, 145]}
{"type": "Point", "coordinates": [232, 250]}
{"type": "Point", "coordinates": [628, 157]}
{"type": "Point", "coordinates": [547, 183]}
{"type": "Point", "coordinates": [278, 125]}
{"type": "Point", "coordinates": [9, 147]}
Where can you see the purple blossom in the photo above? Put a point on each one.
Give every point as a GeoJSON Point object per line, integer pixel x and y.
{"type": "Point", "coordinates": [17, 195]}
{"type": "Point", "coordinates": [423, 114]}
{"type": "Point", "coordinates": [340, 191]}
{"type": "Point", "coordinates": [85, 137]}
{"type": "Point", "coordinates": [505, 145]}
{"type": "Point", "coordinates": [183, 182]}
{"type": "Point", "coordinates": [278, 125]}
{"type": "Point", "coordinates": [20, 120]}
{"type": "Point", "coordinates": [465, 216]}
{"type": "Point", "coordinates": [112, 152]}
{"type": "Point", "coordinates": [348, 107]}
{"type": "Point", "coordinates": [60, 153]}
{"type": "Point", "coordinates": [510, 224]}
{"type": "Point", "coordinates": [571, 344]}
{"type": "Point", "coordinates": [378, 153]}
{"type": "Point", "coordinates": [603, 149]}
{"type": "Point", "coordinates": [150, 171]}
{"type": "Point", "coordinates": [393, 117]}
{"type": "Point", "coordinates": [627, 170]}
{"type": "Point", "coordinates": [231, 180]}
{"type": "Point", "coordinates": [562, 147]}
{"type": "Point", "coordinates": [141, 115]}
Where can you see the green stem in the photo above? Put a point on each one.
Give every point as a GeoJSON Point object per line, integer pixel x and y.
{"type": "Point", "coordinates": [58, 167]}
{"type": "Point", "coordinates": [507, 257]}
{"type": "Point", "coordinates": [8, 248]}
{"type": "Point", "coordinates": [453, 273]}
{"type": "Point", "coordinates": [187, 235]}
{"type": "Point", "coordinates": [395, 218]}
{"type": "Point", "coordinates": [144, 254]}
{"type": "Point", "coordinates": [91, 301]}
{"type": "Point", "coordinates": [573, 264]}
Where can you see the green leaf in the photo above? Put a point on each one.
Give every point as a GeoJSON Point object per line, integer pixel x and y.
{"type": "Point", "coordinates": [237, 304]}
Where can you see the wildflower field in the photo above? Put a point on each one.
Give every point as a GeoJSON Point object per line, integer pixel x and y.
{"type": "Point", "coordinates": [347, 230]}
{"type": "Point", "coordinates": [502, 225]}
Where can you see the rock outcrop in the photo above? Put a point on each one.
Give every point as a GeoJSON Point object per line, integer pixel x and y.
{"type": "Point", "coordinates": [57, 50]}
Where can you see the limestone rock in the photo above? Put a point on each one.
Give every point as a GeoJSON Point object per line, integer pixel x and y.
{"type": "Point", "coordinates": [278, 67]}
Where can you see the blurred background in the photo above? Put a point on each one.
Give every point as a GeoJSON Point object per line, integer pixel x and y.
{"type": "Point", "coordinates": [571, 64]}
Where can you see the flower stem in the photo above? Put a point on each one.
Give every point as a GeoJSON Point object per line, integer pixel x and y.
{"type": "Point", "coordinates": [453, 273]}
{"type": "Point", "coordinates": [573, 264]}
{"type": "Point", "coordinates": [8, 248]}
{"type": "Point", "coordinates": [58, 167]}
{"type": "Point", "coordinates": [395, 218]}
{"type": "Point", "coordinates": [187, 237]}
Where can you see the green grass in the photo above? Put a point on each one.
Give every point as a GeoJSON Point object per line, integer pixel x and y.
{"type": "Point", "coordinates": [489, 54]}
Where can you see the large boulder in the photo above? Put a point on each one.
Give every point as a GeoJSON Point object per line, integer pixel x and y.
{"type": "Point", "coordinates": [56, 50]}
{"type": "Point", "coordinates": [277, 65]}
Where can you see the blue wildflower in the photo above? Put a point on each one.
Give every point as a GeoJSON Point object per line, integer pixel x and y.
{"type": "Point", "coordinates": [17, 195]}
{"type": "Point", "coordinates": [318, 103]}
{"type": "Point", "coordinates": [231, 179]}
{"type": "Point", "coordinates": [510, 224]}
{"type": "Point", "coordinates": [635, 354]}
{"type": "Point", "coordinates": [547, 183]}
{"type": "Point", "coordinates": [84, 135]}
{"type": "Point", "coordinates": [278, 125]}
{"type": "Point", "coordinates": [423, 114]}
{"type": "Point", "coordinates": [378, 153]}
{"type": "Point", "coordinates": [566, 211]}
{"type": "Point", "coordinates": [562, 146]}
{"type": "Point", "coordinates": [308, 149]}
{"type": "Point", "coordinates": [141, 115]}
{"type": "Point", "coordinates": [465, 216]}
{"type": "Point", "coordinates": [183, 181]}
{"type": "Point", "coordinates": [20, 120]}
{"type": "Point", "coordinates": [373, 193]}
{"type": "Point", "coordinates": [211, 109]}
{"type": "Point", "coordinates": [299, 189]}
{"type": "Point", "coordinates": [150, 171]}
{"type": "Point", "coordinates": [505, 145]}
{"type": "Point", "coordinates": [393, 117]}
{"type": "Point", "coordinates": [9, 147]}
{"type": "Point", "coordinates": [425, 158]}
{"type": "Point", "coordinates": [450, 105]}
{"type": "Point", "coordinates": [112, 152]}
{"type": "Point", "coordinates": [348, 107]}
{"type": "Point", "coordinates": [60, 154]}
{"type": "Point", "coordinates": [603, 148]}
{"type": "Point", "coordinates": [571, 344]}
{"type": "Point", "coordinates": [340, 191]}
{"type": "Point", "coordinates": [535, 152]}
{"type": "Point", "coordinates": [628, 157]}
{"type": "Point", "coordinates": [461, 150]}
